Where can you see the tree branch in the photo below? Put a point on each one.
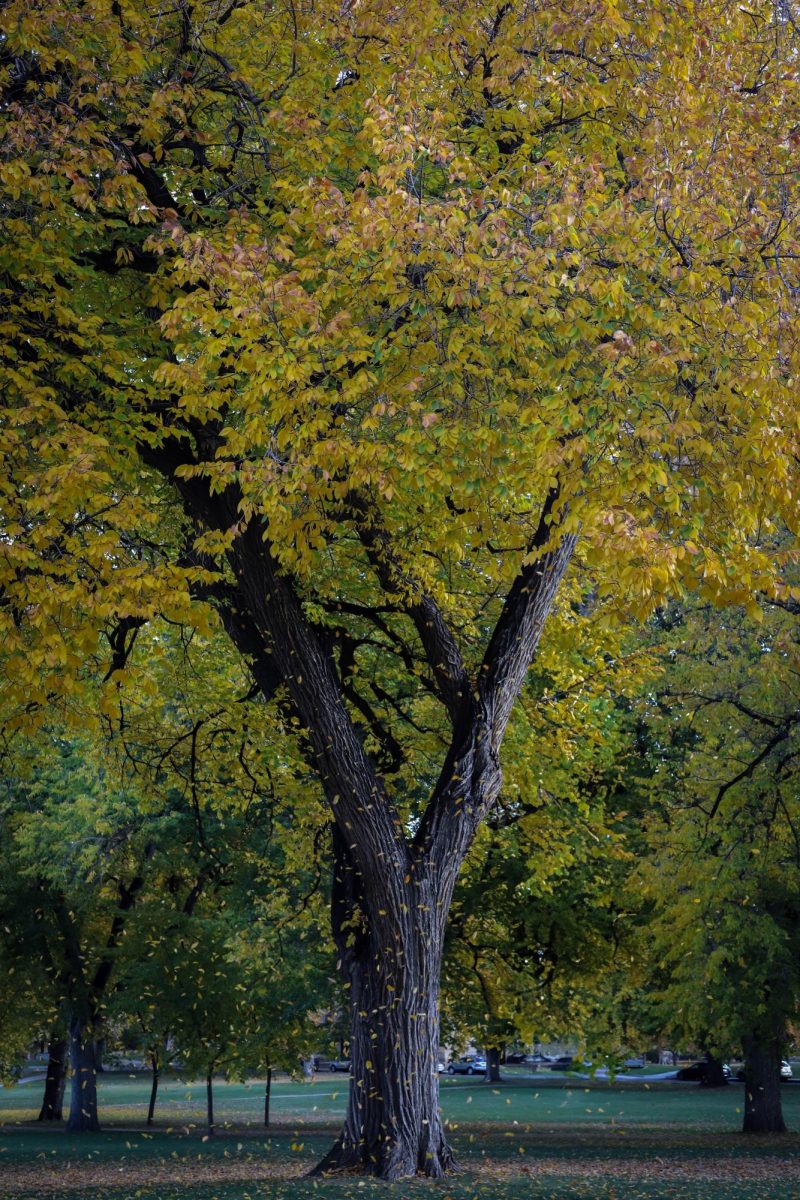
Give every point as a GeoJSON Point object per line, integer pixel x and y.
{"type": "Point", "coordinates": [438, 642]}
{"type": "Point", "coordinates": [267, 613]}
{"type": "Point", "coordinates": [529, 601]}
{"type": "Point", "coordinates": [780, 736]}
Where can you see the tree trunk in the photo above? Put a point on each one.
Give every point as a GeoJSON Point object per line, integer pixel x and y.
{"type": "Point", "coordinates": [493, 1065]}
{"type": "Point", "coordinates": [267, 1095]}
{"type": "Point", "coordinates": [53, 1101]}
{"type": "Point", "coordinates": [715, 1076]}
{"type": "Point", "coordinates": [83, 1116]}
{"type": "Point", "coordinates": [151, 1108]}
{"type": "Point", "coordinates": [391, 930]}
{"type": "Point", "coordinates": [391, 959]}
{"type": "Point", "coordinates": [209, 1105]}
{"type": "Point", "coordinates": [762, 1086]}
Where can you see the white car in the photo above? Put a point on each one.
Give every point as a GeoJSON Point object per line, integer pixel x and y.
{"type": "Point", "coordinates": [786, 1071]}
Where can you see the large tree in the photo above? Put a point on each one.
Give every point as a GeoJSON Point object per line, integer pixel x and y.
{"type": "Point", "coordinates": [361, 324]}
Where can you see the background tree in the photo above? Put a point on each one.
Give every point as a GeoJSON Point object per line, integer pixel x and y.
{"type": "Point", "coordinates": [540, 941]}
{"type": "Point", "coordinates": [78, 849]}
{"type": "Point", "coordinates": [227, 980]}
{"type": "Point", "coordinates": [724, 871]}
{"type": "Point", "coordinates": [30, 1011]}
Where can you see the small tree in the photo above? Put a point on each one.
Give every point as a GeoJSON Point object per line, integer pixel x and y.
{"type": "Point", "coordinates": [79, 849]}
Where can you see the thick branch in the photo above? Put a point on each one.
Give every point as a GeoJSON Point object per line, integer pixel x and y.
{"type": "Point", "coordinates": [267, 612]}
{"type": "Point", "coordinates": [516, 635]}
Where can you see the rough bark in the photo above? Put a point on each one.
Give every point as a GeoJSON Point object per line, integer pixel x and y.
{"type": "Point", "coordinates": [763, 1112]}
{"type": "Point", "coordinates": [55, 1081]}
{"type": "Point", "coordinates": [83, 1116]}
{"type": "Point", "coordinates": [151, 1108]}
{"type": "Point", "coordinates": [267, 1096]}
{"type": "Point", "coordinates": [391, 960]}
{"type": "Point", "coordinates": [493, 1064]}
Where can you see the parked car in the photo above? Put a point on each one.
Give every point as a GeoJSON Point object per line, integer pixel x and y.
{"type": "Point", "coordinates": [538, 1059]}
{"type": "Point", "coordinates": [321, 1063]}
{"type": "Point", "coordinates": [786, 1071]}
{"type": "Point", "coordinates": [634, 1064]}
{"type": "Point", "coordinates": [516, 1057]}
{"type": "Point", "coordinates": [698, 1072]}
{"type": "Point", "coordinates": [467, 1066]}
{"type": "Point", "coordinates": [568, 1062]}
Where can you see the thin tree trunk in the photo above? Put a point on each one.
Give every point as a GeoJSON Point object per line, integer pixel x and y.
{"type": "Point", "coordinates": [153, 1087]}
{"type": "Point", "coordinates": [493, 1064]}
{"type": "Point", "coordinates": [391, 960]}
{"type": "Point", "coordinates": [83, 1116]}
{"type": "Point", "coordinates": [267, 1095]}
{"type": "Point", "coordinates": [209, 1105]}
{"type": "Point", "coordinates": [763, 1112]}
{"type": "Point", "coordinates": [53, 1101]}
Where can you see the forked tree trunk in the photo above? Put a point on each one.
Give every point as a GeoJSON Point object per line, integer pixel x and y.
{"type": "Point", "coordinates": [391, 960]}
{"type": "Point", "coordinates": [388, 921]}
{"type": "Point", "coordinates": [53, 1100]}
{"type": "Point", "coordinates": [83, 1116]}
{"type": "Point", "coordinates": [763, 1112]}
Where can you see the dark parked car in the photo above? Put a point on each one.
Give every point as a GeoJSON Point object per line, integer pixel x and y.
{"type": "Point", "coordinates": [699, 1072]}
{"type": "Point", "coordinates": [786, 1071]}
{"type": "Point", "coordinates": [568, 1062]}
{"type": "Point", "coordinates": [467, 1066]}
{"type": "Point", "coordinates": [516, 1057]}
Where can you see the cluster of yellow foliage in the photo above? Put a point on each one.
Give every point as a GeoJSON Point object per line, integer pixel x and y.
{"type": "Point", "coordinates": [446, 256]}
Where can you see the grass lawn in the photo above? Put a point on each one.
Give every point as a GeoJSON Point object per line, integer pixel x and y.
{"type": "Point", "coordinates": [543, 1139]}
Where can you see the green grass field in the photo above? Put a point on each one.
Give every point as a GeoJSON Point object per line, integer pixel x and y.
{"type": "Point", "coordinates": [542, 1138]}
